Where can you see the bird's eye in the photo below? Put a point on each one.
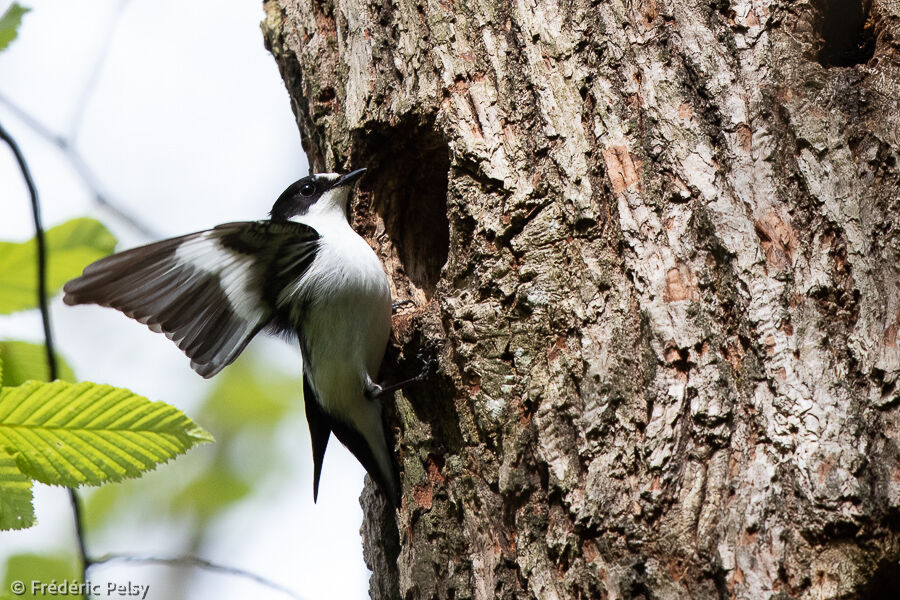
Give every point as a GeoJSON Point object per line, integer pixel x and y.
{"type": "Point", "coordinates": [308, 189]}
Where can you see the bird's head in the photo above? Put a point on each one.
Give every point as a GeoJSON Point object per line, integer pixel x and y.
{"type": "Point", "coordinates": [322, 193]}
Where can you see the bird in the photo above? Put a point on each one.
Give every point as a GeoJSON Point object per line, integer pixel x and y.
{"type": "Point", "coordinates": [303, 273]}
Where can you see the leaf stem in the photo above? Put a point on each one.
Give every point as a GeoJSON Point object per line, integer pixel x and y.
{"type": "Point", "coordinates": [45, 318]}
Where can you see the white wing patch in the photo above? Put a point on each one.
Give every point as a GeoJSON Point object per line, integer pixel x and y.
{"type": "Point", "coordinates": [234, 270]}
{"type": "Point", "coordinates": [205, 291]}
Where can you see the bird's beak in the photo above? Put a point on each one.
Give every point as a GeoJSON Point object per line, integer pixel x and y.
{"type": "Point", "coordinates": [350, 178]}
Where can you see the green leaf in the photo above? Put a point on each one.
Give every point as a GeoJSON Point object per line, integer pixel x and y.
{"type": "Point", "coordinates": [23, 361]}
{"type": "Point", "coordinates": [248, 393]}
{"type": "Point", "coordinates": [252, 402]}
{"type": "Point", "coordinates": [9, 24]}
{"type": "Point", "coordinates": [16, 509]}
{"type": "Point", "coordinates": [41, 568]}
{"type": "Point", "coordinates": [213, 491]}
{"type": "Point", "coordinates": [71, 246]}
{"type": "Point", "coordinates": [85, 433]}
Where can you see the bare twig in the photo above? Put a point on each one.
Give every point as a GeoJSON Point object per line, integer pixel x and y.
{"type": "Point", "coordinates": [67, 143]}
{"type": "Point", "coordinates": [81, 168]}
{"type": "Point", "coordinates": [190, 561]}
{"type": "Point", "coordinates": [41, 249]}
{"type": "Point", "coordinates": [40, 242]}
{"type": "Point", "coordinates": [78, 519]}
{"type": "Point", "coordinates": [88, 89]}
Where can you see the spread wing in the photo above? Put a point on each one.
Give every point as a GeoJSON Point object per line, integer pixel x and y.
{"type": "Point", "coordinates": [210, 292]}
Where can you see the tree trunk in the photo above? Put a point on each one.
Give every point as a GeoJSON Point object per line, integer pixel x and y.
{"type": "Point", "coordinates": [654, 247]}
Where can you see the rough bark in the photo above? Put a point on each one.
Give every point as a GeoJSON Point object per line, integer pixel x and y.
{"type": "Point", "coordinates": [654, 246]}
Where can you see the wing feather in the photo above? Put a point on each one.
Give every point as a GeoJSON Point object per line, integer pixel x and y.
{"type": "Point", "coordinates": [209, 292]}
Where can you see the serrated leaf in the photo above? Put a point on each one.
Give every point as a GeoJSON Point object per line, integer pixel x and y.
{"type": "Point", "coordinates": [86, 433]}
{"type": "Point", "coordinates": [71, 246]}
{"type": "Point", "coordinates": [211, 480]}
{"type": "Point", "coordinates": [9, 24]}
{"type": "Point", "coordinates": [24, 361]}
{"type": "Point", "coordinates": [16, 508]}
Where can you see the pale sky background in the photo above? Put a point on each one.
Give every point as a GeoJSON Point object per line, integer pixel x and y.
{"type": "Point", "coordinates": [187, 125]}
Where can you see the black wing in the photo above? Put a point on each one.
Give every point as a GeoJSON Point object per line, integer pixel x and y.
{"type": "Point", "coordinates": [210, 292]}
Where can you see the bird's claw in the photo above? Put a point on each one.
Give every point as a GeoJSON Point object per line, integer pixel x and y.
{"type": "Point", "coordinates": [375, 391]}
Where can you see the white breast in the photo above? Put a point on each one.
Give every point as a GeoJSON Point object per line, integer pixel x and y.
{"type": "Point", "coordinates": [347, 317]}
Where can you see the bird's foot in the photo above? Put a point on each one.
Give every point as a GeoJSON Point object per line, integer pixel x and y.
{"type": "Point", "coordinates": [375, 391]}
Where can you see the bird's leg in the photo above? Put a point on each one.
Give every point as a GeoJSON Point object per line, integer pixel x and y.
{"type": "Point", "coordinates": [375, 391]}
{"type": "Point", "coordinates": [388, 389]}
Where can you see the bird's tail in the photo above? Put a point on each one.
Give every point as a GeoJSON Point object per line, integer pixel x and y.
{"type": "Point", "coordinates": [367, 439]}
{"type": "Point", "coordinates": [319, 431]}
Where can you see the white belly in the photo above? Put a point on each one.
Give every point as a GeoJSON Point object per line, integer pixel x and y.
{"type": "Point", "coordinates": [347, 320]}
{"type": "Point", "coordinates": [345, 325]}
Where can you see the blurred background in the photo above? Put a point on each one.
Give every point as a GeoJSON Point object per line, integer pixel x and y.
{"type": "Point", "coordinates": [174, 114]}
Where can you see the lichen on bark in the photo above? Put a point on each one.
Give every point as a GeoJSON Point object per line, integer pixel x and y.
{"type": "Point", "coordinates": [653, 246]}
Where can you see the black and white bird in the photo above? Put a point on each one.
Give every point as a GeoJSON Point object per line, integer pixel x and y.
{"type": "Point", "coordinates": [304, 273]}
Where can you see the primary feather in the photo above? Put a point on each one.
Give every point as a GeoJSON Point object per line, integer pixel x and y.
{"type": "Point", "coordinates": [204, 290]}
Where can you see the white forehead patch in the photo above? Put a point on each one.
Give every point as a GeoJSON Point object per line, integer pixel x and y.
{"type": "Point", "coordinates": [328, 177]}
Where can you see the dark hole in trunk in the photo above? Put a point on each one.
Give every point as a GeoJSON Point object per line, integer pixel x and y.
{"type": "Point", "coordinates": [409, 165]}
{"type": "Point", "coordinates": [885, 582]}
{"type": "Point", "coordinates": [846, 31]}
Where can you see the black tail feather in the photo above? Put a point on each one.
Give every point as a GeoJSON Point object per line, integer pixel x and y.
{"type": "Point", "coordinates": [319, 431]}
{"type": "Point", "coordinates": [389, 483]}
{"type": "Point", "coordinates": [322, 425]}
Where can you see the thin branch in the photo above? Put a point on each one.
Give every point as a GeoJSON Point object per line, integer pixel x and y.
{"type": "Point", "coordinates": [81, 168]}
{"type": "Point", "coordinates": [33, 124]}
{"type": "Point", "coordinates": [99, 62]}
{"type": "Point", "coordinates": [75, 502]}
{"type": "Point", "coordinates": [92, 181]}
{"type": "Point", "coordinates": [67, 144]}
{"type": "Point", "coordinates": [188, 561]}
{"type": "Point", "coordinates": [41, 244]}
{"type": "Point", "coordinates": [41, 249]}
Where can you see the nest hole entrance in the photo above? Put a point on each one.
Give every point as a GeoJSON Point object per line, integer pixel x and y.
{"type": "Point", "coordinates": [846, 31]}
{"type": "Point", "coordinates": [410, 187]}
{"type": "Point", "coordinates": [884, 583]}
